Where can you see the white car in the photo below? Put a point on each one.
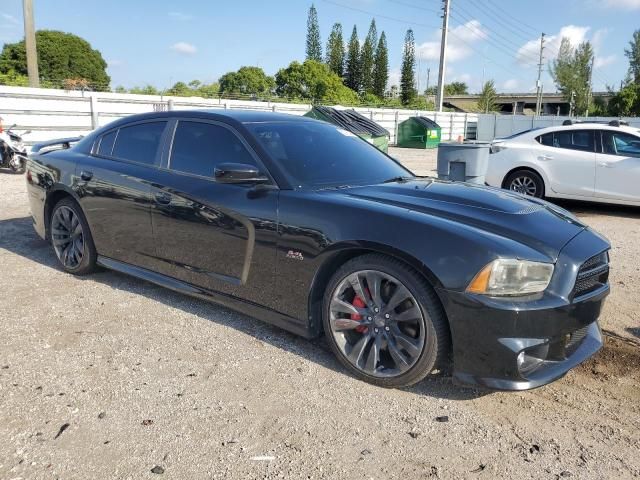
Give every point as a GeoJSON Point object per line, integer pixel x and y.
{"type": "Point", "coordinates": [582, 161]}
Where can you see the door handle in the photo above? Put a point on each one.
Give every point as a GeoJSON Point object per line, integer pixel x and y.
{"type": "Point", "coordinates": [163, 198]}
{"type": "Point", "coordinates": [606, 164]}
{"type": "Point", "coordinates": [86, 175]}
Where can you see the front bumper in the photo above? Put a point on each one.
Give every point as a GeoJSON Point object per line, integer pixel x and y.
{"type": "Point", "coordinates": [509, 344]}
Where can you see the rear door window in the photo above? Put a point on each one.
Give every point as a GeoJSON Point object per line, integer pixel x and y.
{"type": "Point", "coordinates": [106, 143]}
{"type": "Point", "coordinates": [139, 143]}
{"type": "Point", "coordinates": [198, 147]}
{"type": "Point", "coordinates": [570, 139]}
{"type": "Point", "coordinates": [546, 139]}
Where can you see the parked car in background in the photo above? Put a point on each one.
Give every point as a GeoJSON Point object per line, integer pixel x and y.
{"type": "Point", "coordinates": [582, 161]}
{"type": "Point", "coordinates": [304, 225]}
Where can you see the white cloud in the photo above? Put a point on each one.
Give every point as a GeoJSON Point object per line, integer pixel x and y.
{"type": "Point", "coordinates": [511, 85]}
{"type": "Point", "coordinates": [9, 19]}
{"type": "Point", "coordinates": [183, 17]}
{"type": "Point", "coordinates": [623, 4]}
{"type": "Point", "coordinates": [184, 48]}
{"type": "Point", "coordinates": [528, 54]}
{"type": "Point", "coordinates": [600, 62]}
{"type": "Point", "coordinates": [460, 40]}
{"type": "Point", "coordinates": [114, 63]}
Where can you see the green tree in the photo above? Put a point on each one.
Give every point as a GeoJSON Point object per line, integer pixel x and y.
{"type": "Point", "coordinates": [367, 58]}
{"type": "Point", "coordinates": [381, 67]}
{"type": "Point", "coordinates": [408, 91]}
{"type": "Point", "coordinates": [633, 54]}
{"type": "Point", "coordinates": [208, 90]}
{"type": "Point", "coordinates": [453, 88]}
{"type": "Point", "coordinates": [626, 102]}
{"type": "Point", "coordinates": [246, 81]}
{"type": "Point", "coordinates": [146, 90]}
{"type": "Point", "coordinates": [571, 71]}
{"type": "Point", "coordinates": [14, 79]}
{"type": "Point", "coordinates": [179, 89]}
{"type": "Point", "coordinates": [456, 88]}
{"type": "Point", "coordinates": [487, 99]}
{"type": "Point", "coordinates": [314, 49]}
{"type": "Point", "coordinates": [353, 78]}
{"type": "Point", "coordinates": [61, 56]}
{"type": "Point", "coordinates": [313, 81]}
{"type": "Point", "coordinates": [335, 50]}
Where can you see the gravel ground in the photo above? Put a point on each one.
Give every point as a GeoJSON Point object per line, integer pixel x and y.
{"type": "Point", "coordinates": [110, 377]}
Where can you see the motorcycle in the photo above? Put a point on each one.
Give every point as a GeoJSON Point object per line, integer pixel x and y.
{"type": "Point", "coordinates": [13, 153]}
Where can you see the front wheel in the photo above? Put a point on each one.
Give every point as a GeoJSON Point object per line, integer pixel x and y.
{"type": "Point", "coordinates": [526, 182]}
{"type": "Point", "coordinates": [384, 322]}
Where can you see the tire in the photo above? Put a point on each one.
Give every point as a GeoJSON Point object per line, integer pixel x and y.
{"type": "Point", "coordinates": [526, 182]}
{"type": "Point", "coordinates": [71, 238]}
{"type": "Point", "coordinates": [395, 345]}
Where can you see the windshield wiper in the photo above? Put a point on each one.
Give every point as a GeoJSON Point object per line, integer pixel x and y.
{"type": "Point", "coordinates": [398, 179]}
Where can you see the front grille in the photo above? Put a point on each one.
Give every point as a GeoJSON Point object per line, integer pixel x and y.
{"type": "Point", "coordinates": [593, 274]}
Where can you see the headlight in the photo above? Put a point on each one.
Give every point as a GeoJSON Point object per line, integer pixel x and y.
{"type": "Point", "coordinates": [507, 276]}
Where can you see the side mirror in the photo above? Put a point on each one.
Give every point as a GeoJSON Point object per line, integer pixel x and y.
{"type": "Point", "coordinates": [238, 173]}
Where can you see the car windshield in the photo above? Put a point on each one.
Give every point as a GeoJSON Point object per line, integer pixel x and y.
{"type": "Point", "coordinates": [317, 155]}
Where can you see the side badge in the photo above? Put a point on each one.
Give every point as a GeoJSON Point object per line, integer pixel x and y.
{"type": "Point", "coordinates": [295, 255]}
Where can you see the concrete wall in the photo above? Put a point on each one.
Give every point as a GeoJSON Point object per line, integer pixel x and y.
{"type": "Point", "coordinates": [496, 126]}
{"type": "Point", "coordinates": [50, 113]}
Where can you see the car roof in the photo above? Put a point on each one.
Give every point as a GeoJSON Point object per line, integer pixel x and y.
{"type": "Point", "coordinates": [240, 116]}
{"type": "Point", "coordinates": [534, 132]}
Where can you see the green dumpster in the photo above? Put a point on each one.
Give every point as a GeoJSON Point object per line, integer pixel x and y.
{"type": "Point", "coordinates": [419, 132]}
{"type": "Point", "coordinates": [353, 122]}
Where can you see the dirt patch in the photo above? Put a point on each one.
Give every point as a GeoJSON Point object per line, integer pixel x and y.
{"type": "Point", "coordinates": [619, 357]}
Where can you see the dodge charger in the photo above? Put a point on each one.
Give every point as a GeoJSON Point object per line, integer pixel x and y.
{"type": "Point", "coordinates": [299, 223]}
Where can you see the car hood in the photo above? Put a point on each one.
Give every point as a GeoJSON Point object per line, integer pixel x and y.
{"type": "Point", "coordinates": [532, 222]}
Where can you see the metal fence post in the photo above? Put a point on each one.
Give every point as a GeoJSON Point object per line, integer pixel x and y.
{"type": "Point", "coordinates": [465, 125]}
{"type": "Point", "coordinates": [450, 126]}
{"type": "Point", "coordinates": [93, 102]}
{"type": "Point", "coordinates": [395, 129]}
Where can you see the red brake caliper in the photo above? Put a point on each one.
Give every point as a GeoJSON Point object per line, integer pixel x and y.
{"type": "Point", "coordinates": [359, 303]}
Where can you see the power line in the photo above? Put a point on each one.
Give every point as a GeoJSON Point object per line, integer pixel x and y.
{"type": "Point", "coordinates": [378, 15]}
{"type": "Point", "coordinates": [489, 39]}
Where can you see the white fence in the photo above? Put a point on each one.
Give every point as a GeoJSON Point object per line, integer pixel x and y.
{"type": "Point", "coordinates": [52, 113]}
{"type": "Point", "coordinates": [496, 126]}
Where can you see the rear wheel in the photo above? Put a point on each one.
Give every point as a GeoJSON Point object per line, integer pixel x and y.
{"type": "Point", "coordinates": [71, 238]}
{"type": "Point", "coordinates": [384, 322]}
{"type": "Point", "coordinates": [526, 182]}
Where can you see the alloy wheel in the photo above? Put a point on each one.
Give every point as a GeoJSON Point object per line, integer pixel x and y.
{"type": "Point", "coordinates": [524, 184]}
{"type": "Point", "coordinates": [377, 323]}
{"type": "Point", "coordinates": [67, 237]}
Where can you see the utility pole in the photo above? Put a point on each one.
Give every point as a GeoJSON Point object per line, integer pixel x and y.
{"type": "Point", "coordinates": [428, 77]}
{"type": "Point", "coordinates": [30, 44]}
{"type": "Point", "coordinates": [539, 82]}
{"type": "Point", "coordinates": [572, 103]}
{"type": "Point", "coordinates": [443, 54]}
{"type": "Point", "coordinates": [590, 92]}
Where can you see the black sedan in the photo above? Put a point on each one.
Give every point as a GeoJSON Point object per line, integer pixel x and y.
{"type": "Point", "coordinates": [306, 226]}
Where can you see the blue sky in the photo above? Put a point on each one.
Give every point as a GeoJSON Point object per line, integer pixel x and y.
{"type": "Point", "coordinates": [160, 41]}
